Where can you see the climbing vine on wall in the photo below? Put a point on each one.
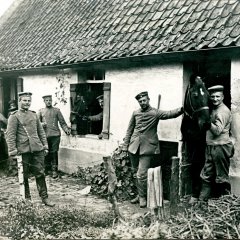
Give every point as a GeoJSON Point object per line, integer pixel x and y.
{"type": "Point", "coordinates": [60, 93]}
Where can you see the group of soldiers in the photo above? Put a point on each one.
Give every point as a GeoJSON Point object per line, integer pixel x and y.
{"type": "Point", "coordinates": [36, 137]}
{"type": "Point", "coordinates": [141, 144]}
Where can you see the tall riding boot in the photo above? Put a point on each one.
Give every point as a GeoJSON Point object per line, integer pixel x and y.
{"type": "Point", "coordinates": [136, 199]}
{"type": "Point", "coordinates": [205, 191]}
{"type": "Point", "coordinates": [47, 164]}
{"type": "Point", "coordinates": [55, 164]}
{"type": "Point", "coordinates": [142, 192]}
{"type": "Point", "coordinates": [42, 190]}
{"type": "Point", "coordinates": [27, 189]}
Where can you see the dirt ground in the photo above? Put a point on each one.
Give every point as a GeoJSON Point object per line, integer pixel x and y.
{"type": "Point", "coordinates": [64, 191]}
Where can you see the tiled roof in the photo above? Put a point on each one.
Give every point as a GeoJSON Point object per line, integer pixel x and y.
{"type": "Point", "coordinates": [50, 32]}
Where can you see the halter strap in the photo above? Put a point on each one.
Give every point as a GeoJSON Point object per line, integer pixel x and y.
{"type": "Point", "coordinates": [192, 108]}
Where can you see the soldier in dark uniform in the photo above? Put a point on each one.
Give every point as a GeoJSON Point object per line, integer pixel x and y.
{"type": "Point", "coordinates": [50, 117]}
{"type": "Point", "coordinates": [25, 136]}
{"type": "Point", "coordinates": [98, 117]}
{"type": "Point", "coordinates": [13, 169]}
{"type": "Point", "coordinates": [141, 141]}
{"type": "Point", "coordinates": [3, 145]}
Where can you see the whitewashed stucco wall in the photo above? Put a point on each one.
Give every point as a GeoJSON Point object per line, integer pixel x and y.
{"type": "Point", "coordinates": [44, 84]}
{"type": "Point", "coordinates": [235, 108]}
{"type": "Point", "coordinates": [166, 80]}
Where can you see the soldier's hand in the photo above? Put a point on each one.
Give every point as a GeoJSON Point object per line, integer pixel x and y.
{"type": "Point", "coordinates": [14, 153]}
{"type": "Point", "coordinates": [68, 132]}
{"type": "Point", "coordinates": [44, 124]}
{"type": "Point", "coordinates": [124, 154]}
{"type": "Point", "coordinates": [45, 152]}
{"type": "Point", "coordinates": [85, 118]}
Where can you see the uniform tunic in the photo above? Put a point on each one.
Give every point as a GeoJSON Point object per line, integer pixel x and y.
{"type": "Point", "coordinates": [219, 146]}
{"type": "Point", "coordinates": [25, 136]}
{"type": "Point", "coordinates": [51, 116]}
{"type": "Point", "coordinates": [25, 133]}
{"type": "Point", "coordinates": [142, 130]}
{"type": "Point", "coordinates": [97, 117]}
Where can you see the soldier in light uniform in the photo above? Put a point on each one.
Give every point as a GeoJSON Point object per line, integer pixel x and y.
{"type": "Point", "coordinates": [25, 136]}
{"type": "Point", "coordinates": [50, 117]}
{"type": "Point", "coordinates": [219, 148]}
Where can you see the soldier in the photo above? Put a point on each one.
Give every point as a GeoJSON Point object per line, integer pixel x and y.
{"type": "Point", "coordinates": [50, 117]}
{"type": "Point", "coordinates": [3, 145]}
{"type": "Point", "coordinates": [25, 136]}
{"type": "Point", "coordinates": [98, 117]}
{"type": "Point", "coordinates": [141, 141]}
{"type": "Point", "coordinates": [219, 148]}
{"type": "Point", "coordinates": [13, 170]}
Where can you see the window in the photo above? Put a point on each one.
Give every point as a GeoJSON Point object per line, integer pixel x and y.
{"type": "Point", "coordinates": [89, 112]}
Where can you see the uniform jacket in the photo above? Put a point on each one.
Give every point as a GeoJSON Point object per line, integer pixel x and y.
{"type": "Point", "coordinates": [25, 133]}
{"type": "Point", "coordinates": [221, 119]}
{"type": "Point", "coordinates": [97, 117]}
{"type": "Point", "coordinates": [51, 116]}
{"type": "Point", "coordinates": [142, 130]}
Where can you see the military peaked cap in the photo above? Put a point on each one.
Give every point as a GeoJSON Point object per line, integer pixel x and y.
{"type": "Point", "coordinates": [20, 94]}
{"type": "Point", "coordinates": [141, 94]}
{"type": "Point", "coordinates": [216, 88]}
{"type": "Point", "coordinates": [45, 96]}
{"type": "Point", "coordinates": [99, 97]}
{"type": "Point", "coordinates": [12, 105]}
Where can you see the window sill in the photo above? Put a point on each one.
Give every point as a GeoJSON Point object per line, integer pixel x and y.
{"type": "Point", "coordinates": [90, 136]}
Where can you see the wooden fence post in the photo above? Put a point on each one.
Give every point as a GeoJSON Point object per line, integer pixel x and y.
{"type": "Point", "coordinates": [112, 183]}
{"type": "Point", "coordinates": [20, 176]}
{"type": "Point", "coordinates": [174, 186]}
{"type": "Point", "coordinates": [185, 175]}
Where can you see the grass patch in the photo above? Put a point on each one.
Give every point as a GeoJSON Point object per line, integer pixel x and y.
{"type": "Point", "coordinates": [22, 220]}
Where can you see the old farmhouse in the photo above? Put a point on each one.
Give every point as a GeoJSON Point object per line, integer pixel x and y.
{"type": "Point", "coordinates": [79, 49]}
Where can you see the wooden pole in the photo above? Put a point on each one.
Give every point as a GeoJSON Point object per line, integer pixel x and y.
{"type": "Point", "coordinates": [20, 176]}
{"type": "Point", "coordinates": [112, 183]}
{"type": "Point", "coordinates": [174, 186]}
{"type": "Point", "coordinates": [159, 101]}
{"type": "Point", "coordinates": [185, 174]}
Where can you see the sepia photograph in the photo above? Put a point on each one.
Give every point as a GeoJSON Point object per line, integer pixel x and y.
{"type": "Point", "coordinates": [119, 119]}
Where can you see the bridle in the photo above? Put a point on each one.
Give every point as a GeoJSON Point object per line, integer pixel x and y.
{"type": "Point", "coordinates": [188, 97]}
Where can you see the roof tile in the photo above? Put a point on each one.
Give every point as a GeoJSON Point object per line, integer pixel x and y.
{"type": "Point", "coordinates": [47, 32]}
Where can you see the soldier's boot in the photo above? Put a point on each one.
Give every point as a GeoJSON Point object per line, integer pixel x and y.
{"type": "Point", "coordinates": [225, 189]}
{"type": "Point", "coordinates": [142, 192]}
{"type": "Point", "coordinates": [27, 189]}
{"type": "Point", "coordinates": [47, 202]}
{"type": "Point", "coordinates": [193, 201]}
{"type": "Point", "coordinates": [42, 190]}
{"type": "Point", "coordinates": [55, 165]}
{"type": "Point", "coordinates": [205, 192]}
{"type": "Point", "coordinates": [136, 199]}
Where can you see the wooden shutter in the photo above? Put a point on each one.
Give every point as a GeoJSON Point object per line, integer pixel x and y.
{"type": "Point", "coordinates": [1, 96]}
{"type": "Point", "coordinates": [106, 109]}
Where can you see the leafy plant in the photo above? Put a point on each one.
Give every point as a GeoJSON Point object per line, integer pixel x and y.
{"type": "Point", "coordinates": [97, 177]}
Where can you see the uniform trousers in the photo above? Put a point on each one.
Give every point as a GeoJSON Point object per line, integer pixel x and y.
{"type": "Point", "coordinates": [51, 160]}
{"type": "Point", "coordinates": [217, 163]}
{"type": "Point", "coordinates": [34, 163]}
{"type": "Point", "coordinates": [140, 165]}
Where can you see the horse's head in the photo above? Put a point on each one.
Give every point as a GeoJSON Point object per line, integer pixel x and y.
{"type": "Point", "coordinates": [197, 101]}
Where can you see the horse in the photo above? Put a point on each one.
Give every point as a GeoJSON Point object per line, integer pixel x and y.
{"type": "Point", "coordinates": [195, 119]}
